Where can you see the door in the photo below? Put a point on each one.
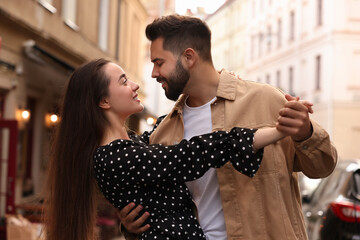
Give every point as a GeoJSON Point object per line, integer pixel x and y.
{"type": "Point", "coordinates": [8, 145]}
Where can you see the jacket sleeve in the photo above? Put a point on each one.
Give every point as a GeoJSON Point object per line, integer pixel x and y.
{"type": "Point", "coordinates": [316, 157]}
{"type": "Point", "coordinates": [146, 135]}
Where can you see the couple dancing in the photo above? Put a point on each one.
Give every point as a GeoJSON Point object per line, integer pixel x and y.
{"type": "Point", "coordinates": [207, 149]}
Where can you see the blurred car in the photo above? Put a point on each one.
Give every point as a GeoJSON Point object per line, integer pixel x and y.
{"type": "Point", "coordinates": [307, 185]}
{"type": "Point", "coordinates": [332, 211]}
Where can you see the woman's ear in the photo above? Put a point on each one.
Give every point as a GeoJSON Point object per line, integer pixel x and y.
{"type": "Point", "coordinates": [104, 104]}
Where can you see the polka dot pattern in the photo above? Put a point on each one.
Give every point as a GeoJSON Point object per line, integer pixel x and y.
{"type": "Point", "coordinates": [154, 175]}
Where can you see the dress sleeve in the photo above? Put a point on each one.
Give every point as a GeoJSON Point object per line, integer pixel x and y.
{"type": "Point", "coordinates": [134, 163]}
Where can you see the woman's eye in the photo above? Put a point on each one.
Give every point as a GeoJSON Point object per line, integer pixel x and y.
{"type": "Point", "coordinates": [124, 80]}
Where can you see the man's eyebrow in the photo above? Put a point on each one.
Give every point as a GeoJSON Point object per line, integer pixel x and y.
{"type": "Point", "coordinates": [156, 59]}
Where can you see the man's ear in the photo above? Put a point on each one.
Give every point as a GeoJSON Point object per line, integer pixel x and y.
{"type": "Point", "coordinates": [190, 57]}
{"type": "Point", "coordinates": [104, 104]}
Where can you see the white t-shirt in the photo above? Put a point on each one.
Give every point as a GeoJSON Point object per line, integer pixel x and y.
{"type": "Point", "coordinates": [205, 190]}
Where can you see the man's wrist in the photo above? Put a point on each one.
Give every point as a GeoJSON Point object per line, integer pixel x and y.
{"type": "Point", "coordinates": [306, 137]}
{"type": "Point", "coordinates": [128, 235]}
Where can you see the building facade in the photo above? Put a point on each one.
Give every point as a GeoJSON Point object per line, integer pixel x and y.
{"type": "Point", "coordinates": [41, 43]}
{"type": "Point", "coordinates": [156, 102]}
{"type": "Point", "coordinates": [306, 48]}
{"type": "Point", "coordinates": [228, 26]}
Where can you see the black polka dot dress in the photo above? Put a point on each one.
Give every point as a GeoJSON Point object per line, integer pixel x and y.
{"type": "Point", "coordinates": [154, 175]}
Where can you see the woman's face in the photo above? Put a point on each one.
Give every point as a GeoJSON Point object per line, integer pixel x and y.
{"type": "Point", "coordinates": [123, 99]}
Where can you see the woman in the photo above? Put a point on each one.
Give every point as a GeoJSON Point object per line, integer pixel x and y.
{"type": "Point", "coordinates": [92, 144]}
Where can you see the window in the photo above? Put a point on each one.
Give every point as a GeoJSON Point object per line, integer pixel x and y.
{"type": "Point", "coordinates": [354, 70]}
{"type": "Point", "coordinates": [48, 5]}
{"type": "Point", "coordinates": [292, 26]}
{"type": "Point", "coordinates": [356, 182]}
{"type": "Point", "coordinates": [291, 81]}
{"type": "Point", "coordinates": [252, 48]}
{"type": "Point", "coordinates": [253, 8]}
{"type": "Point", "coordinates": [319, 12]}
{"type": "Point", "coordinates": [318, 73]}
{"type": "Point", "coordinates": [260, 43]}
{"type": "Point", "coordinates": [68, 12]}
{"type": "Point", "coordinates": [352, 11]}
{"type": "Point", "coordinates": [278, 78]}
{"type": "Point", "coordinates": [267, 78]}
{"type": "Point", "coordinates": [269, 38]}
{"type": "Point", "coordinates": [103, 30]}
{"type": "Point", "coordinates": [305, 19]}
{"type": "Point", "coordinates": [279, 34]}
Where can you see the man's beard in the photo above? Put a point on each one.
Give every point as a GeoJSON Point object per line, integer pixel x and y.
{"type": "Point", "coordinates": [177, 81]}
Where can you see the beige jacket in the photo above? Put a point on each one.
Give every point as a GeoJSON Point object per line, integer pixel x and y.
{"type": "Point", "coordinates": [267, 206]}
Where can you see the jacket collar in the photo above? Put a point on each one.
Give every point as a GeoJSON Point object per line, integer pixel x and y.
{"type": "Point", "coordinates": [227, 86]}
{"type": "Point", "coordinates": [178, 107]}
{"type": "Point", "coordinates": [226, 89]}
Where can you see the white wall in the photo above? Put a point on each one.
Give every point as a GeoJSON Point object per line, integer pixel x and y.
{"type": "Point", "coordinates": [336, 40]}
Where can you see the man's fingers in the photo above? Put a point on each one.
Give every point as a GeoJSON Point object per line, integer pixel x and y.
{"type": "Point", "coordinates": [140, 221]}
{"type": "Point", "coordinates": [289, 122]}
{"type": "Point", "coordinates": [142, 229]}
{"type": "Point", "coordinates": [308, 105]}
{"type": "Point", "coordinates": [300, 106]}
{"type": "Point", "coordinates": [295, 114]}
{"type": "Point", "coordinates": [296, 105]}
{"type": "Point", "coordinates": [125, 211]}
{"type": "Point", "coordinates": [127, 216]}
{"type": "Point", "coordinates": [295, 100]}
{"type": "Point", "coordinates": [294, 118]}
{"type": "Point", "coordinates": [136, 225]}
{"type": "Point", "coordinates": [134, 213]}
{"type": "Point", "coordinates": [286, 130]}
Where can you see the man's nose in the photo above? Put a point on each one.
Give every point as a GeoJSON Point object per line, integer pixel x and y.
{"type": "Point", "coordinates": [155, 73]}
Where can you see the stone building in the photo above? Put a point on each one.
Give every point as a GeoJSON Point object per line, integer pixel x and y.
{"type": "Point", "coordinates": [41, 42]}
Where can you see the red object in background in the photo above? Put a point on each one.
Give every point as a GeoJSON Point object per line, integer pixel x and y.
{"type": "Point", "coordinates": [12, 125]}
{"type": "Point", "coordinates": [346, 211]}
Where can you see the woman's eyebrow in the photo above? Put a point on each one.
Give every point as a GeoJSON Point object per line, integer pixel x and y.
{"type": "Point", "coordinates": [122, 76]}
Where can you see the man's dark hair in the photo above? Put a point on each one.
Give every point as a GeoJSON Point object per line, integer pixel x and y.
{"type": "Point", "coordinates": [180, 33]}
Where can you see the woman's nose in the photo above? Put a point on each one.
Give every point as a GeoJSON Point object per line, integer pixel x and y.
{"type": "Point", "coordinates": [135, 86]}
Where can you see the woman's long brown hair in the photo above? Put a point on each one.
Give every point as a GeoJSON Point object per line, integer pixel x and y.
{"type": "Point", "coordinates": [70, 202]}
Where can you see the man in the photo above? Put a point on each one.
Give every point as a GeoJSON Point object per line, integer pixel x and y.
{"type": "Point", "coordinates": [229, 205]}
